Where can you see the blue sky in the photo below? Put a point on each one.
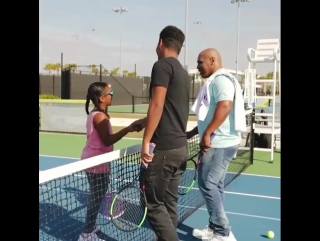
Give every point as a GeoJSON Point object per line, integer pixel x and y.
{"type": "Point", "coordinates": [141, 25]}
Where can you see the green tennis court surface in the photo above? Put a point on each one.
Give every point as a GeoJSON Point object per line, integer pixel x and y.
{"type": "Point", "coordinates": [139, 108]}
{"type": "Point", "coordinates": [66, 145]}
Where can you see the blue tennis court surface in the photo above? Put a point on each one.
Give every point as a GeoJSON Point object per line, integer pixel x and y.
{"type": "Point", "coordinates": [252, 203]}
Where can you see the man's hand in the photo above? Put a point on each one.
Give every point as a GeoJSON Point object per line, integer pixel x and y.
{"type": "Point", "coordinates": [140, 124]}
{"type": "Point", "coordinates": [134, 127]}
{"type": "Point", "coordinates": [205, 143]}
{"type": "Point", "coordinates": [146, 157]}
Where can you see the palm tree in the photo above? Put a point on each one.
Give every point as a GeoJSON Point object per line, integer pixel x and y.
{"type": "Point", "coordinates": [72, 66]}
{"type": "Point", "coordinates": [132, 74]}
{"type": "Point", "coordinates": [95, 71]}
{"type": "Point", "coordinates": [115, 71]}
{"type": "Point", "coordinates": [49, 67]}
{"type": "Point", "coordinates": [94, 68]}
{"type": "Point", "coordinates": [125, 72]}
{"type": "Point", "coordinates": [57, 67]}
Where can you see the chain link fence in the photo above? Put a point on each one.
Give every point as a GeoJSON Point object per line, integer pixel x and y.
{"type": "Point", "coordinates": [63, 117]}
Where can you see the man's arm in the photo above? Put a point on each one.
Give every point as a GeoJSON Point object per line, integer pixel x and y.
{"type": "Point", "coordinates": [160, 78]}
{"type": "Point", "coordinates": [142, 122]}
{"type": "Point", "coordinates": [223, 91]}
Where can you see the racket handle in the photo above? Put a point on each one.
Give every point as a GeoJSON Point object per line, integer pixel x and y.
{"type": "Point", "coordinates": [152, 146]}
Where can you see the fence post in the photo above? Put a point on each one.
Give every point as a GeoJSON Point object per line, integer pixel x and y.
{"type": "Point", "coordinates": [39, 84]}
{"type": "Point", "coordinates": [142, 92]}
{"type": "Point", "coordinates": [65, 84]}
{"type": "Point", "coordinates": [252, 135]}
{"type": "Point", "coordinates": [100, 72]}
{"type": "Point", "coordinates": [53, 81]}
{"type": "Point", "coordinates": [133, 104]}
{"type": "Point", "coordinates": [61, 63]}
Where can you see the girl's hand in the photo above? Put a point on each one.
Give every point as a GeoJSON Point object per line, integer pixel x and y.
{"type": "Point", "coordinates": [134, 127]}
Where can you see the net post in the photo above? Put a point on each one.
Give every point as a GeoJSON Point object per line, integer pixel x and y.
{"type": "Point", "coordinates": [252, 135]}
{"type": "Point", "coordinates": [133, 104]}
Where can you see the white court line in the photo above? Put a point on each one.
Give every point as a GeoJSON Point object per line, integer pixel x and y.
{"type": "Point", "coordinates": [245, 174]}
{"type": "Point", "coordinates": [60, 157]}
{"type": "Point", "coordinates": [253, 195]}
{"type": "Point", "coordinates": [204, 209]}
{"type": "Point", "coordinates": [253, 216]}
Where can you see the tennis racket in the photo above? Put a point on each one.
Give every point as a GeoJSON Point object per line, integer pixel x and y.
{"type": "Point", "coordinates": [131, 202]}
{"type": "Point", "coordinates": [189, 176]}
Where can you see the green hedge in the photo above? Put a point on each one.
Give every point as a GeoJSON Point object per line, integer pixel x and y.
{"type": "Point", "coordinates": [48, 97]}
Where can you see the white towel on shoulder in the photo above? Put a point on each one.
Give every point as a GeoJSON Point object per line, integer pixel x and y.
{"type": "Point", "coordinates": [239, 112]}
{"type": "Point", "coordinates": [202, 102]}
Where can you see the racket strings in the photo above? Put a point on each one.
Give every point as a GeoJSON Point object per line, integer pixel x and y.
{"type": "Point", "coordinates": [188, 177]}
{"type": "Point", "coordinates": [131, 204]}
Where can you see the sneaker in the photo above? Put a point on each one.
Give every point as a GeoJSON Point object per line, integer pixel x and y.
{"type": "Point", "coordinates": [90, 236]}
{"type": "Point", "coordinates": [216, 237]}
{"type": "Point", "coordinates": [203, 234]}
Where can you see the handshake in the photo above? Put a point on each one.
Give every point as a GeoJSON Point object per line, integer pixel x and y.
{"type": "Point", "coordinates": [137, 125]}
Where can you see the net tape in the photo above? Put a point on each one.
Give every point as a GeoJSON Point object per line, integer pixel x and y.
{"type": "Point", "coordinates": [64, 193]}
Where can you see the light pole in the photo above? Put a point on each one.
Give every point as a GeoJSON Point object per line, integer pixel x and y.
{"type": "Point", "coordinates": [194, 77]}
{"type": "Point", "coordinates": [198, 23]}
{"type": "Point", "coordinates": [39, 48]}
{"type": "Point", "coordinates": [238, 32]}
{"type": "Point", "coordinates": [186, 36]}
{"type": "Point", "coordinates": [120, 10]}
{"type": "Point", "coordinates": [39, 37]}
{"type": "Point", "coordinates": [76, 36]}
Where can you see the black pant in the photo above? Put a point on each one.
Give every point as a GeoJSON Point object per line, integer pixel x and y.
{"type": "Point", "coordinates": [98, 183]}
{"type": "Point", "coordinates": [162, 180]}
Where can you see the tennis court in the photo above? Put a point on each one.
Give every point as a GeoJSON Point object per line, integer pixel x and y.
{"type": "Point", "coordinates": [252, 200]}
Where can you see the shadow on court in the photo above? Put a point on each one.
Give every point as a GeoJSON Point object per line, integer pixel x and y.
{"type": "Point", "coordinates": [126, 217]}
{"type": "Point", "coordinates": [188, 230]}
{"type": "Point", "coordinates": [57, 223]}
{"type": "Point", "coordinates": [83, 198]}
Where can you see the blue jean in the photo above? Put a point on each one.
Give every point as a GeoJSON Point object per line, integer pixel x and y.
{"type": "Point", "coordinates": [212, 171]}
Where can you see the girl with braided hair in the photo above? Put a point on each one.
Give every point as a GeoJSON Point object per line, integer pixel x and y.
{"type": "Point", "coordinates": [100, 140]}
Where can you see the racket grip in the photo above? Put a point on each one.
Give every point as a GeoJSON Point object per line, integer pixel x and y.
{"type": "Point", "coordinates": [152, 146]}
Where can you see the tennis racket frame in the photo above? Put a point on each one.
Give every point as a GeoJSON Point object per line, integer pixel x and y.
{"type": "Point", "coordinates": [142, 192]}
{"type": "Point", "coordinates": [195, 173]}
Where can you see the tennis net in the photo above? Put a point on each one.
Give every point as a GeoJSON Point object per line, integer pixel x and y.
{"type": "Point", "coordinates": [64, 193]}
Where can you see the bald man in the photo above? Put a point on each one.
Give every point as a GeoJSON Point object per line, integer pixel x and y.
{"type": "Point", "coordinates": [219, 143]}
